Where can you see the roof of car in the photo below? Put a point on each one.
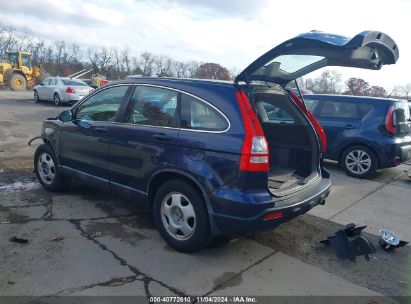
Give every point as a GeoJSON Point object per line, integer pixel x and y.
{"type": "Point", "coordinates": [138, 78]}
{"type": "Point", "coordinates": [350, 97]}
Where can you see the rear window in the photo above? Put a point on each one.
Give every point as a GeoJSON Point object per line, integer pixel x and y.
{"type": "Point", "coordinates": [336, 109]}
{"type": "Point", "coordinates": [198, 115]}
{"type": "Point", "coordinates": [74, 82]}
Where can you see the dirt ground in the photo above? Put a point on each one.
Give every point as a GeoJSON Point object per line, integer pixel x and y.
{"type": "Point", "coordinates": [73, 234]}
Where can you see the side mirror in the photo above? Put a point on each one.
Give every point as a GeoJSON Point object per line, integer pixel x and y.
{"type": "Point", "coordinates": [66, 116]}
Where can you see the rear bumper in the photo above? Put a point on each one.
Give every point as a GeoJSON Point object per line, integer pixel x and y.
{"type": "Point", "coordinates": [290, 208]}
{"type": "Point", "coordinates": [395, 154]}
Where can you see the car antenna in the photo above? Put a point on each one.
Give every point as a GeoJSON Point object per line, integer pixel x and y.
{"type": "Point", "coordinates": [391, 93]}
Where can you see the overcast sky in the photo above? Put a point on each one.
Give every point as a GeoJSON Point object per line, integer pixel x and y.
{"type": "Point", "coordinates": [230, 32]}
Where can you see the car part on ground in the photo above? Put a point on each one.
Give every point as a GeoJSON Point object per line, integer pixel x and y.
{"type": "Point", "coordinates": [389, 240]}
{"type": "Point", "coordinates": [350, 249]}
{"type": "Point", "coordinates": [16, 239]}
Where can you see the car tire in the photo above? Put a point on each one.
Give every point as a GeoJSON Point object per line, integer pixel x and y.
{"type": "Point", "coordinates": [47, 170]}
{"type": "Point", "coordinates": [36, 97]}
{"type": "Point", "coordinates": [57, 100]}
{"type": "Point", "coordinates": [181, 216]}
{"type": "Point", "coordinates": [359, 161]}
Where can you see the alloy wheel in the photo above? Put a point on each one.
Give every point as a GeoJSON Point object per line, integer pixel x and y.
{"type": "Point", "coordinates": [358, 161]}
{"type": "Point", "coordinates": [178, 216]}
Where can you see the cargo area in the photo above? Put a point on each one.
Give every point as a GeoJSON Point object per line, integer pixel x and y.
{"type": "Point", "coordinates": [292, 141]}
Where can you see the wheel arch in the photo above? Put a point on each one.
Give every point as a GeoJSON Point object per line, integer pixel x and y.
{"type": "Point", "coordinates": [162, 176]}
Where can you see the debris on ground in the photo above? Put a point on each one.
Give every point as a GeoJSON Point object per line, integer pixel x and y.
{"type": "Point", "coordinates": [15, 239]}
{"type": "Point", "coordinates": [389, 240]}
{"type": "Point", "coordinates": [58, 239]}
{"type": "Point", "coordinates": [346, 249]}
{"type": "Point", "coordinates": [11, 282]}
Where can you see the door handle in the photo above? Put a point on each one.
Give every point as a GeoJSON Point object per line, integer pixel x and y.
{"type": "Point", "coordinates": [349, 127]}
{"type": "Point", "coordinates": [161, 136]}
{"type": "Point", "coordinates": [100, 129]}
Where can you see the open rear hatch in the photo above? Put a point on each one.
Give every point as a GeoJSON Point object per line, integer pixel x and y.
{"type": "Point", "coordinates": [293, 143]}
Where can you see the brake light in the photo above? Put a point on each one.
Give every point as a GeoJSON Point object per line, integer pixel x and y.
{"type": "Point", "coordinates": [70, 90]}
{"type": "Point", "coordinates": [254, 153]}
{"type": "Point", "coordinates": [273, 216]}
{"type": "Point", "coordinates": [389, 121]}
{"type": "Point", "coordinates": [318, 129]}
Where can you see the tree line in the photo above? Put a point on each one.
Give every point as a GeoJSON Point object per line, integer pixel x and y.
{"type": "Point", "coordinates": [330, 82]}
{"type": "Point", "coordinates": [63, 58]}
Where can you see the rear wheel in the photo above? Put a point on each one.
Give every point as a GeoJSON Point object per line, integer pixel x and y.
{"type": "Point", "coordinates": [57, 100]}
{"type": "Point", "coordinates": [359, 161]}
{"type": "Point", "coordinates": [47, 170]}
{"type": "Point", "coordinates": [17, 82]}
{"type": "Point", "coordinates": [181, 216]}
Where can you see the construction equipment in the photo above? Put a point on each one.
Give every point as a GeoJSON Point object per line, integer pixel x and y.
{"type": "Point", "coordinates": [16, 71]}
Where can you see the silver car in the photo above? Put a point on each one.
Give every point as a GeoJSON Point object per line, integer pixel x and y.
{"type": "Point", "coordinates": [61, 90]}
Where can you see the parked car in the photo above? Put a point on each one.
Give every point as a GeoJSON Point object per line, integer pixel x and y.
{"type": "Point", "coordinates": [363, 133]}
{"type": "Point", "coordinates": [207, 157]}
{"type": "Point", "coordinates": [61, 90]}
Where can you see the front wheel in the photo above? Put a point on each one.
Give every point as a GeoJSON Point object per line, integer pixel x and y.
{"type": "Point", "coordinates": [47, 170]}
{"type": "Point", "coordinates": [181, 216]}
{"type": "Point", "coordinates": [359, 161]}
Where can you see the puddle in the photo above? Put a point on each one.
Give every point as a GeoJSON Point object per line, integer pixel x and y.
{"type": "Point", "coordinates": [19, 186]}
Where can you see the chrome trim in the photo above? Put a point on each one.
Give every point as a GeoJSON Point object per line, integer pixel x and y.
{"type": "Point", "coordinates": [167, 88]}
{"type": "Point", "coordinates": [314, 180]}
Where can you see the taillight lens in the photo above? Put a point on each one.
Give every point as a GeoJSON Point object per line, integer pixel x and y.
{"type": "Point", "coordinates": [389, 121]}
{"type": "Point", "coordinates": [254, 153]}
{"type": "Point", "coordinates": [70, 90]}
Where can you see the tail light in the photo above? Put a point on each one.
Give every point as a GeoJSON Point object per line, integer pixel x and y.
{"type": "Point", "coordinates": [389, 121]}
{"type": "Point", "coordinates": [318, 129]}
{"type": "Point", "coordinates": [254, 153]}
{"type": "Point", "coordinates": [70, 90]}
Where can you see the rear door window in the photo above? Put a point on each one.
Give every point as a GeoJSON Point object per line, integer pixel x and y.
{"type": "Point", "coordinates": [342, 110]}
{"type": "Point", "coordinates": [198, 115]}
{"type": "Point", "coordinates": [153, 106]}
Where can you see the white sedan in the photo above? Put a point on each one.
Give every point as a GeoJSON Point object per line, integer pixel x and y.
{"type": "Point", "coordinates": [61, 90]}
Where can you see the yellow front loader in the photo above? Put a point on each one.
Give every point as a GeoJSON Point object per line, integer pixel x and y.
{"type": "Point", "coordinates": [16, 71]}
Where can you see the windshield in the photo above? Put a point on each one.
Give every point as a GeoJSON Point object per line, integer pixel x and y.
{"type": "Point", "coordinates": [25, 60]}
{"type": "Point", "coordinates": [74, 82]}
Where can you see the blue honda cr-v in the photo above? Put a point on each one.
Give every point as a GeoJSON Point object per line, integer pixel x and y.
{"type": "Point", "coordinates": [207, 157]}
{"type": "Point", "coordinates": [363, 133]}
